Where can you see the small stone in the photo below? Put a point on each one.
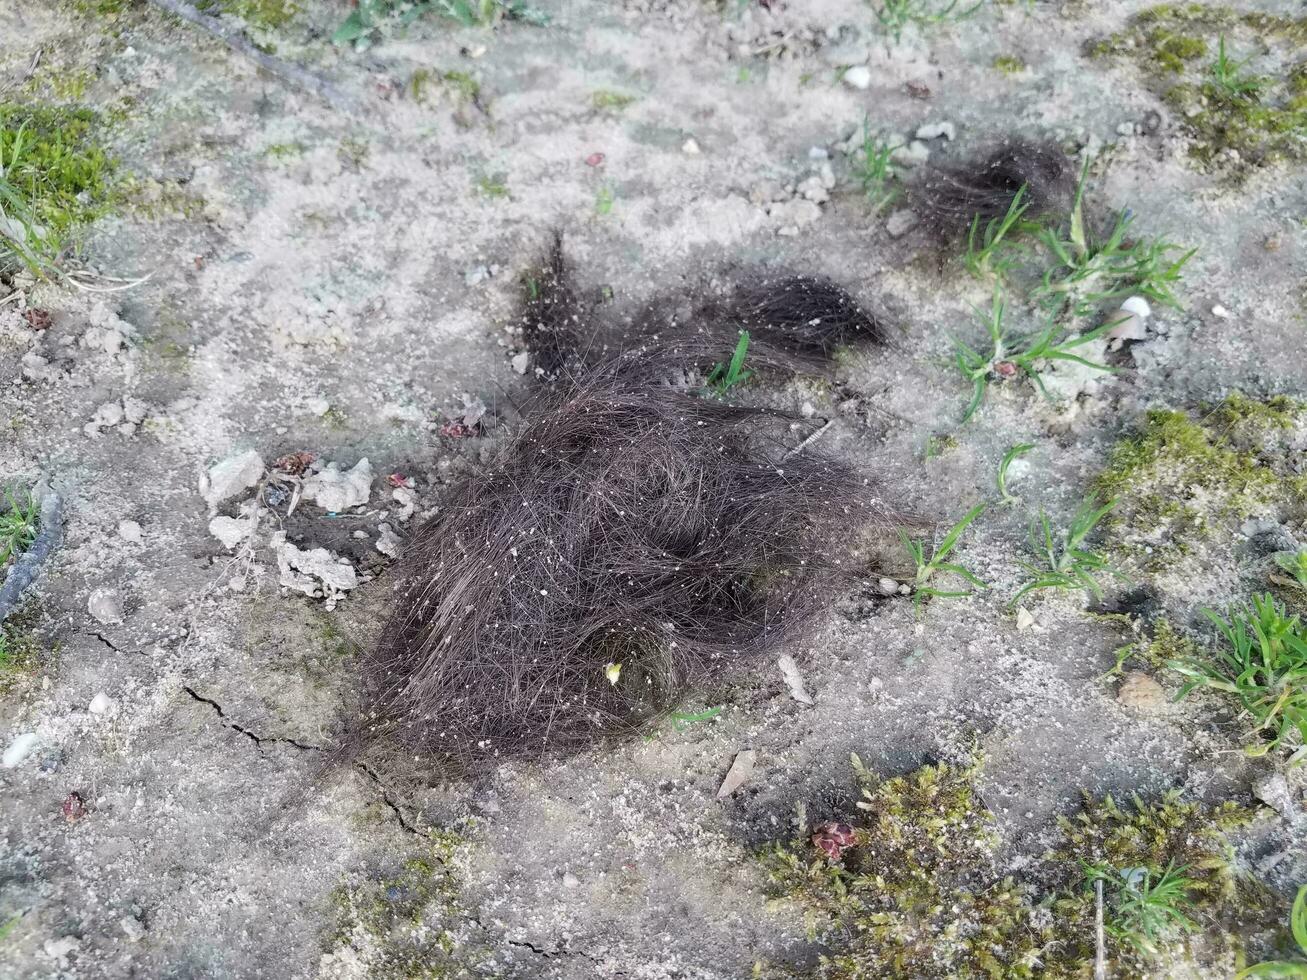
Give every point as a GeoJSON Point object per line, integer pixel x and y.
{"type": "Point", "coordinates": [1126, 326]}
{"type": "Point", "coordinates": [795, 214]}
{"type": "Point", "coordinates": [570, 880]}
{"type": "Point", "coordinates": [226, 479]}
{"type": "Point", "coordinates": [520, 362]}
{"type": "Point", "coordinates": [1024, 620]}
{"type": "Point", "coordinates": [1125, 129]}
{"type": "Point", "coordinates": [1274, 792]}
{"type": "Point", "coordinates": [1220, 311]}
{"type": "Point", "coordinates": [135, 410]}
{"type": "Point", "coordinates": [887, 586]}
{"type": "Point", "coordinates": [1139, 692]}
{"type": "Point", "coordinates": [912, 155]}
{"type": "Point", "coordinates": [476, 275]}
{"type": "Point", "coordinates": [105, 606]}
{"type": "Point", "coordinates": [1138, 306]}
{"type": "Point", "coordinates": [336, 491]}
{"type": "Point", "coordinates": [901, 222]}
{"type": "Point", "coordinates": [859, 77]}
{"type": "Point", "coordinates": [19, 749]}
{"type": "Point", "coordinates": [814, 189]}
{"type": "Point", "coordinates": [691, 147]}
{"type": "Point", "coordinates": [407, 500]}
{"type": "Point", "coordinates": [230, 531]}
{"type": "Point", "coordinates": [739, 773]}
{"type": "Point", "coordinates": [132, 928]}
{"type": "Point", "coordinates": [933, 131]}
{"type": "Point", "coordinates": [793, 679]}
{"type": "Point", "coordinates": [818, 153]}
{"type": "Point", "coordinates": [100, 704]}
{"type": "Point", "coordinates": [388, 543]}
{"type": "Point", "coordinates": [131, 532]}
{"type": "Point", "coordinates": [318, 406]}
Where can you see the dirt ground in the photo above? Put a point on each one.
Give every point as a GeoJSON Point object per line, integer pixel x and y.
{"type": "Point", "coordinates": [341, 278]}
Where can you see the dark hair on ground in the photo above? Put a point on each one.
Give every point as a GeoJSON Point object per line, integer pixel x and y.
{"type": "Point", "coordinates": [636, 539]}
{"type": "Point", "coordinates": [951, 197]}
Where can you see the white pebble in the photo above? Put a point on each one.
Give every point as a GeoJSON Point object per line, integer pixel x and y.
{"type": "Point", "coordinates": [1220, 311]}
{"type": "Point", "coordinates": [520, 362]}
{"type": "Point", "coordinates": [933, 131]}
{"type": "Point", "coordinates": [691, 147]}
{"type": "Point", "coordinates": [19, 749]}
{"type": "Point", "coordinates": [1138, 306]}
{"type": "Point", "coordinates": [130, 531]}
{"type": "Point", "coordinates": [100, 704]}
{"type": "Point", "coordinates": [859, 77]}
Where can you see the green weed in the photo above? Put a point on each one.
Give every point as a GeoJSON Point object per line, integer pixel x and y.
{"type": "Point", "coordinates": [1295, 564]}
{"type": "Point", "coordinates": [53, 180]}
{"type": "Point", "coordinates": [493, 187]}
{"type": "Point", "coordinates": [723, 377]}
{"type": "Point", "coordinates": [1065, 561]}
{"type": "Point", "coordinates": [1008, 357]}
{"type": "Point", "coordinates": [604, 200]}
{"type": "Point", "coordinates": [1089, 272]}
{"type": "Point", "coordinates": [1263, 663]}
{"type": "Point", "coordinates": [1228, 79]}
{"type": "Point", "coordinates": [928, 568]}
{"type": "Point", "coordinates": [894, 16]}
{"type": "Point", "coordinates": [1145, 906]}
{"type": "Point", "coordinates": [606, 100]}
{"type": "Point", "coordinates": [1004, 464]}
{"type": "Point", "coordinates": [18, 526]}
{"type": "Point", "coordinates": [1285, 968]}
{"type": "Point", "coordinates": [875, 171]}
{"type": "Point", "coordinates": [992, 251]}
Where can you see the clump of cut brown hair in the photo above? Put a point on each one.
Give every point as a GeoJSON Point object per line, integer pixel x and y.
{"type": "Point", "coordinates": [635, 540]}
{"type": "Point", "coordinates": [951, 197]}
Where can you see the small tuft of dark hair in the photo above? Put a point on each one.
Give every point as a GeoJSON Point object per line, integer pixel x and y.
{"type": "Point", "coordinates": [551, 319]}
{"type": "Point", "coordinates": [807, 315]}
{"type": "Point", "coordinates": [951, 198]}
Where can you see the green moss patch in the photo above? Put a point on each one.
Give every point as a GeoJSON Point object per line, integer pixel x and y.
{"type": "Point", "coordinates": [409, 923]}
{"type": "Point", "coordinates": [1184, 473]}
{"type": "Point", "coordinates": [1260, 121]}
{"type": "Point", "coordinates": [917, 892]}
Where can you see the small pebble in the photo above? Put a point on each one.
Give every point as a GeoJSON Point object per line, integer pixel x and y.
{"type": "Point", "coordinates": [570, 880]}
{"type": "Point", "coordinates": [100, 704]}
{"type": "Point", "coordinates": [520, 362]}
{"type": "Point", "coordinates": [859, 77]}
{"type": "Point", "coordinates": [1139, 692]}
{"type": "Point", "coordinates": [933, 131]}
{"type": "Point", "coordinates": [901, 222]}
{"type": "Point", "coordinates": [691, 147]}
{"type": "Point", "coordinates": [1024, 620]}
{"type": "Point", "coordinates": [134, 931]}
{"type": "Point", "coordinates": [19, 749]}
{"type": "Point", "coordinates": [130, 531]}
{"type": "Point", "coordinates": [887, 586]}
{"type": "Point", "coordinates": [1220, 311]}
{"type": "Point", "coordinates": [105, 606]}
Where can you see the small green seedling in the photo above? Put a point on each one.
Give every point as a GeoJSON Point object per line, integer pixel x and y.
{"type": "Point", "coordinates": [928, 568]}
{"type": "Point", "coordinates": [1066, 563]}
{"type": "Point", "coordinates": [992, 251]}
{"type": "Point", "coordinates": [1008, 458]}
{"type": "Point", "coordinates": [1263, 663]}
{"type": "Point", "coordinates": [1144, 906]}
{"type": "Point", "coordinates": [1287, 969]}
{"type": "Point", "coordinates": [1089, 272]}
{"type": "Point", "coordinates": [723, 377]}
{"type": "Point", "coordinates": [683, 719]}
{"type": "Point", "coordinates": [1228, 80]}
{"type": "Point", "coordinates": [875, 170]}
{"type": "Point", "coordinates": [18, 524]}
{"type": "Point", "coordinates": [1295, 564]}
{"type": "Point", "coordinates": [1010, 357]}
{"type": "Point", "coordinates": [604, 200]}
{"type": "Point", "coordinates": [895, 15]}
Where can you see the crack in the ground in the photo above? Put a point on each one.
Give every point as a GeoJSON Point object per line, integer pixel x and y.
{"type": "Point", "coordinates": [404, 822]}
{"type": "Point", "coordinates": [242, 730]}
{"type": "Point", "coordinates": [108, 642]}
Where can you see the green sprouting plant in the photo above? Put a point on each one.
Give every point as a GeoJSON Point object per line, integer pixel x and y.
{"type": "Point", "coordinates": [895, 15]}
{"type": "Point", "coordinates": [1009, 356]}
{"type": "Point", "coordinates": [492, 187]}
{"type": "Point", "coordinates": [1008, 459]}
{"type": "Point", "coordinates": [1228, 79]}
{"type": "Point", "coordinates": [1295, 564]}
{"type": "Point", "coordinates": [18, 524]}
{"type": "Point", "coordinates": [875, 170]}
{"type": "Point", "coordinates": [604, 199]}
{"type": "Point", "coordinates": [1286, 968]}
{"type": "Point", "coordinates": [367, 20]}
{"type": "Point", "coordinates": [928, 568]}
{"type": "Point", "coordinates": [1144, 905]}
{"type": "Point", "coordinates": [723, 377]}
{"type": "Point", "coordinates": [1065, 562]}
{"type": "Point", "coordinates": [1089, 272]}
{"type": "Point", "coordinates": [991, 251]}
{"type": "Point", "coordinates": [1263, 663]}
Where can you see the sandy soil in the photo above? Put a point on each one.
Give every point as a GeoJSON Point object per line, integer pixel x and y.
{"type": "Point", "coordinates": [340, 281]}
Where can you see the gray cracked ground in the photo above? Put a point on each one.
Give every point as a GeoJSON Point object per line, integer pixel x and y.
{"type": "Point", "coordinates": [336, 257]}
